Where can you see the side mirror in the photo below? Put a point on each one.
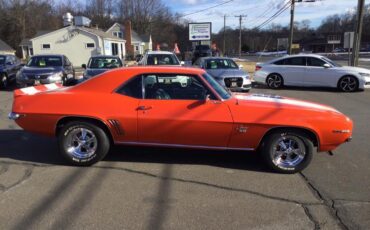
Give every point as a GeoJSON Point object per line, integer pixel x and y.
{"type": "Point", "coordinates": [240, 66]}
{"type": "Point", "coordinates": [83, 66]}
{"type": "Point", "coordinates": [326, 65]}
{"type": "Point", "coordinates": [182, 63]}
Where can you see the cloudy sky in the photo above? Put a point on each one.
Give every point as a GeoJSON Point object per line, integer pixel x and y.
{"type": "Point", "coordinates": [257, 11]}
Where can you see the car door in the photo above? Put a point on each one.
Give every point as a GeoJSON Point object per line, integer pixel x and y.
{"type": "Point", "coordinates": [292, 70]}
{"type": "Point", "coordinates": [175, 111]}
{"type": "Point", "coordinates": [318, 75]}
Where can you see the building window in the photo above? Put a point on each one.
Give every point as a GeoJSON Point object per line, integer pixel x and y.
{"type": "Point", "coordinates": [118, 34]}
{"type": "Point", "coordinates": [137, 48]}
{"type": "Point", "coordinates": [45, 46]}
{"type": "Point", "coordinates": [90, 45]}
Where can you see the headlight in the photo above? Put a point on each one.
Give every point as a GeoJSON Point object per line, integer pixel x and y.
{"type": "Point", "coordinates": [56, 76]}
{"type": "Point", "coordinates": [365, 74]}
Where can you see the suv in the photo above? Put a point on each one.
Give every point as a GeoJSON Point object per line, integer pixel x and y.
{"type": "Point", "coordinates": [160, 58]}
{"type": "Point", "coordinates": [9, 66]}
{"type": "Point", "coordinates": [100, 64]}
{"type": "Point", "coordinates": [201, 51]}
{"type": "Point", "coordinates": [45, 69]}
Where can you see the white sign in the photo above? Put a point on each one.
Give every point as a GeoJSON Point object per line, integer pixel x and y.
{"type": "Point", "coordinates": [348, 40]}
{"type": "Point", "coordinates": [334, 39]}
{"type": "Point", "coordinates": [200, 31]}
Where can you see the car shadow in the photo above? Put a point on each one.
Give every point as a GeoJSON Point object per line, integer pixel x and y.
{"type": "Point", "coordinates": [11, 87]}
{"type": "Point", "coordinates": [23, 146]}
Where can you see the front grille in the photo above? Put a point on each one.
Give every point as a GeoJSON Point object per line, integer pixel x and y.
{"type": "Point", "coordinates": [38, 76]}
{"type": "Point", "coordinates": [230, 80]}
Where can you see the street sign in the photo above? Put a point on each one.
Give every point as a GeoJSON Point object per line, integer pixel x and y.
{"type": "Point", "coordinates": [348, 40]}
{"type": "Point", "coordinates": [200, 31]}
{"type": "Point", "coordinates": [295, 46]}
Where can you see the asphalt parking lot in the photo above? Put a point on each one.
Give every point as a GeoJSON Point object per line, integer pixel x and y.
{"type": "Point", "coordinates": [145, 188]}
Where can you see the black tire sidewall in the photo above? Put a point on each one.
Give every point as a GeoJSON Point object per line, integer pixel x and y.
{"type": "Point", "coordinates": [340, 81]}
{"type": "Point", "coordinates": [278, 75]}
{"type": "Point", "coordinates": [267, 148]}
{"type": "Point", "coordinates": [101, 136]}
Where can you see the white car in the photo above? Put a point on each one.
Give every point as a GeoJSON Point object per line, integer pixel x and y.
{"type": "Point", "coordinates": [160, 58]}
{"type": "Point", "coordinates": [311, 70]}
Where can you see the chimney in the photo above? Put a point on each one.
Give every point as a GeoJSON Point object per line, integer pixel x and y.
{"type": "Point", "coordinates": [129, 47]}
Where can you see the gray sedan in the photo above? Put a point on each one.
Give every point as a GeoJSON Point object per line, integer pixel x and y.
{"type": "Point", "coordinates": [226, 72]}
{"type": "Point", "coordinates": [100, 64]}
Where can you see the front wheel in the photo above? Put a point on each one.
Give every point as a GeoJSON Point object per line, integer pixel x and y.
{"type": "Point", "coordinates": [348, 84]}
{"type": "Point", "coordinates": [287, 151]}
{"type": "Point", "coordinates": [274, 81]}
{"type": "Point", "coordinates": [83, 143]}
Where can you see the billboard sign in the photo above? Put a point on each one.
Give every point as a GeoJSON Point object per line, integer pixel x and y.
{"type": "Point", "coordinates": [348, 40]}
{"type": "Point", "coordinates": [200, 31]}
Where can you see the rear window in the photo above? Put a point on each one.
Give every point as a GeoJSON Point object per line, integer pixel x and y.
{"type": "Point", "coordinates": [162, 59]}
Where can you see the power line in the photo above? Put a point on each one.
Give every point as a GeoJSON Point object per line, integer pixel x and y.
{"type": "Point", "coordinates": [279, 12]}
{"type": "Point", "coordinates": [198, 11]}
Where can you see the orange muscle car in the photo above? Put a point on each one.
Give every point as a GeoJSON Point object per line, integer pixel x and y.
{"type": "Point", "coordinates": [177, 107]}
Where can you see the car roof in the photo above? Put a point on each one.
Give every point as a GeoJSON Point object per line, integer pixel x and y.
{"type": "Point", "coordinates": [104, 56]}
{"type": "Point", "coordinates": [111, 80]}
{"type": "Point", "coordinates": [159, 52]}
{"type": "Point", "coordinates": [295, 55]}
{"type": "Point", "coordinates": [215, 58]}
{"type": "Point", "coordinates": [48, 55]}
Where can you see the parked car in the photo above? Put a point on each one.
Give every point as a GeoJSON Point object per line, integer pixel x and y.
{"type": "Point", "coordinates": [99, 64]}
{"type": "Point", "coordinates": [311, 70]}
{"type": "Point", "coordinates": [157, 107]}
{"type": "Point", "coordinates": [226, 72]}
{"type": "Point", "coordinates": [9, 66]}
{"type": "Point", "coordinates": [201, 51]}
{"type": "Point", "coordinates": [46, 69]}
{"type": "Point", "coordinates": [160, 58]}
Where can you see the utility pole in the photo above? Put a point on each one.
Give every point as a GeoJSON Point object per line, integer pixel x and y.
{"type": "Point", "coordinates": [358, 33]}
{"type": "Point", "coordinates": [240, 33]}
{"type": "Point", "coordinates": [224, 46]}
{"type": "Point", "coordinates": [291, 27]}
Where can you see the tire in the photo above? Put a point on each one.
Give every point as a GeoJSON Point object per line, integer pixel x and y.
{"type": "Point", "coordinates": [274, 81]}
{"type": "Point", "coordinates": [279, 149]}
{"type": "Point", "coordinates": [4, 81]}
{"type": "Point", "coordinates": [348, 84]}
{"type": "Point", "coordinates": [83, 143]}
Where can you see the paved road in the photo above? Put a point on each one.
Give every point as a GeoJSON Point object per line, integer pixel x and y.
{"type": "Point", "coordinates": [144, 188]}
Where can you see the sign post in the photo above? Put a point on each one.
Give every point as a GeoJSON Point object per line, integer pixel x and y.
{"type": "Point", "coordinates": [348, 43]}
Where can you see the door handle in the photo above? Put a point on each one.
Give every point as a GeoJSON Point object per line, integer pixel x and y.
{"type": "Point", "coordinates": [142, 107]}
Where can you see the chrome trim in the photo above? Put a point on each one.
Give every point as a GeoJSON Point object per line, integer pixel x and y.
{"type": "Point", "coordinates": [180, 146]}
{"type": "Point", "coordinates": [341, 131]}
{"type": "Point", "coordinates": [14, 116]}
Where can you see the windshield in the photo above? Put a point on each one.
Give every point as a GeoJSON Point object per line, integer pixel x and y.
{"type": "Point", "coordinates": [104, 63]}
{"type": "Point", "coordinates": [45, 61]}
{"type": "Point", "coordinates": [162, 59]}
{"type": "Point", "coordinates": [2, 60]}
{"type": "Point", "coordinates": [331, 62]}
{"type": "Point", "coordinates": [221, 64]}
{"type": "Point", "coordinates": [216, 86]}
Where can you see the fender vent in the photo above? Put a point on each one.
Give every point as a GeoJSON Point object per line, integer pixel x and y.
{"type": "Point", "coordinates": [117, 126]}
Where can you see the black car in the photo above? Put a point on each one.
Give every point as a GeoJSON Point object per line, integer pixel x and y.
{"type": "Point", "coordinates": [201, 51]}
{"type": "Point", "coordinates": [9, 66]}
{"type": "Point", "coordinates": [100, 64]}
{"type": "Point", "coordinates": [45, 69]}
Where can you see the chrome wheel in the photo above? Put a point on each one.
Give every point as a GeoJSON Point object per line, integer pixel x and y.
{"type": "Point", "coordinates": [348, 84]}
{"type": "Point", "coordinates": [274, 81]}
{"type": "Point", "coordinates": [81, 143]}
{"type": "Point", "coordinates": [4, 81]}
{"type": "Point", "coordinates": [288, 151]}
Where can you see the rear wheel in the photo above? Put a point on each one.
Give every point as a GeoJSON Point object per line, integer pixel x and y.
{"type": "Point", "coordinates": [274, 81]}
{"type": "Point", "coordinates": [83, 143]}
{"type": "Point", "coordinates": [348, 84]}
{"type": "Point", "coordinates": [287, 151]}
{"type": "Point", "coordinates": [3, 81]}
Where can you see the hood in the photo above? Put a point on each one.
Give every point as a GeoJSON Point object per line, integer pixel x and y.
{"type": "Point", "coordinates": [279, 101]}
{"type": "Point", "coordinates": [355, 69]}
{"type": "Point", "coordinates": [94, 72]}
{"type": "Point", "coordinates": [35, 70]}
{"type": "Point", "coordinates": [222, 73]}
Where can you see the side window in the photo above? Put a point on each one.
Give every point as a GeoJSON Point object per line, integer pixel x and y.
{"type": "Point", "coordinates": [297, 61]}
{"type": "Point", "coordinates": [280, 62]}
{"type": "Point", "coordinates": [67, 62]}
{"type": "Point", "coordinates": [133, 88]}
{"type": "Point", "coordinates": [175, 87]}
{"type": "Point", "coordinates": [315, 62]}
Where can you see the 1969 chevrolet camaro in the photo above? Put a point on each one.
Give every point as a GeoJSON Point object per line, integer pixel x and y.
{"type": "Point", "coordinates": [177, 107]}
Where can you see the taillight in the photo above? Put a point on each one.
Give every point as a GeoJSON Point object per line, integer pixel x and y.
{"type": "Point", "coordinates": [258, 67]}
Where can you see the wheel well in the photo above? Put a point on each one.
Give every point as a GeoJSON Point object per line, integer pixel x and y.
{"type": "Point", "coordinates": [93, 121]}
{"type": "Point", "coordinates": [308, 133]}
{"type": "Point", "coordinates": [348, 75]}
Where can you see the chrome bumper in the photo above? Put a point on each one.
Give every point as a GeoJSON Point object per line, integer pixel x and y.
{"type": "Point", "coordinates": [14, 116]}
